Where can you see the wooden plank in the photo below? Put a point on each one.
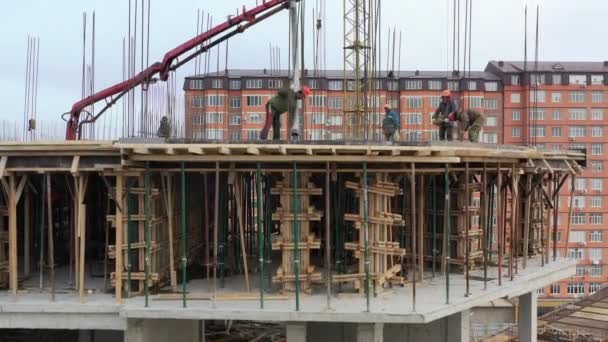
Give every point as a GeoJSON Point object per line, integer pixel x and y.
{"type": "Point", "coordinates": [119, 235]}
{"type": "Point", "coordinates": [239, 213]}
{"type": "Point", "coordinates": [75, 164]}
{"type": "Point", "coordinates": [12, 235]}
{"type": "Point", "coordinates": [3, 161]}
{"type": "Point", "coordinates": [221, 297]}
{"type": "Point", "coordinates": [169, 203]}
{"type": "Point", "coordinates": [195, 150]}
{"type": "Point", "coordinates": [20, 188]}
{"type": "Point", "coordinates": [26, 234]}
{"type": "Point", "coordinates": [296, 158]}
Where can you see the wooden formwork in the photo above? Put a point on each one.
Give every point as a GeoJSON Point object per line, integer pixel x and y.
{"type": "Point", "coordinates": [3, 246]}
{"type": "Point", "coordinates": [307, 241]}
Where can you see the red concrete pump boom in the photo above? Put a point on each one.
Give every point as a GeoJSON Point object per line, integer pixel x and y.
{"type": "Point", "coordinates": [205, 41]}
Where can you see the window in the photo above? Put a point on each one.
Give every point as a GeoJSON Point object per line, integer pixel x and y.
{"type": "Point", "coordinates": [537, 114]}
{"type": "Point", "coordinates": [435, 85]}
{"type": "Point", "coordinates": [577, 218]}
{"type": "Point", "coordinates": [515, 115]}
{"type": "Point", "coordinates": [579, 184]}
{"type": "Point", "coordinates": [576, 131]}
{"type": "Point", "coordinates": [491, 121]}
{"type": "Point", "coordinates": [575, 253]}
{"type": "Point", "coordinates": [214, 133]}
{"type": "Point", "coordinates": [413, 101]}
{"type": "Point", "coordinates": [254, 84]}
{"type": "Point", "coordinates": [472, 85]}
{"type": "Point", "coordinates": [515, 97]}
{"type": "Point", "coordinates": [578, 202]}
{"type": "Point", "coordinates": [515, 80]}
{"type": "Point", "coordinates": [595, 236]}
{"type": "Point", "coordinates": [580, 271]}
{"type": "Point", "coordinates": [490, 138]}
{"type": "Point", "coordinates": [235, 84]}
{"type": "Point", "coordinates": [537, 96]}
{"type": "Point", "coordinates": [490, 104]}
{"type": "Point", "coordinates": [313, 84]}
{"type": "Point", "coordinates": [597, 79]}
{"type": "Point", "coordinates": [217, 84]}
{"type": "Point", "coordinates": [557, 79]}
{"type": "Point", "coordinates": [215, 118]}
{"type": "Point", "coordinates": [196, 84]}
{"type": "Point", "coordinates": [556, 97]}
{"type": "Point", "coordinates": [475, 101]}
{"type": "Point", "coordinates": [434, 135]}
{"type": "Point", "coordinates": [559, 235]}
{"type": "Point", "coordinates": [413, 136]}
{"type": "Point", "coordinates": [453, 85]}
{"type": "Point", "coordinates": [537, 131]}
{"type": "Point", "coordinates": [197, 119]}
{"type": "Point", "coordinates": [197, 102]}
{"type": "Point", "coordinates": [413, 118]}
{"type": "Point", "coordinates": [596, 202]}
{"type": "Point", "coordinates": [235, 102]}
{"type": "Point", "coordinates": [597, 166]}
{"type": "Point", "coordinates": [334, 120]}
{"type": "Point", "coordinates": [597, 149]}
{"type": "Point", "coordinates": [597, 96]}
{"type": "Point", "coordinates": [557, 147]}
{"type": "Point", "coordinates": [577, 236]}
{"type": "Point", "coordinates": [215, 100]}
{"type": "Point", "coordinates": [557, 114]}
{"type": "Point", "coordinates": [595, 270]}
{"type": "Point", "coordinates": [317, 100]}
{"type": "Point", "coordinates": [556, 131]}
{"type": "Point", "coordinates": [596, 184]}
{"type": "Point", "coordinates": [413, 84]}
{"type": "Point", "coordinates": [577, 114]}
{"type": "Point", "coordinates": [537, 79]}
{"type": "Point", "coordinates": [597, 114]}
{"type": "Point", "coordinates": [595, 218]}
{"type": "Point", "coordinates": [594, 287]}
{"type": "Point", "coordinates": [515, 132]}
{"type": "Point", "coordinates": [253, 118]}
{"type": "Point", "coordinates": [254, 100]}
{"type": "Point", "coordinates": [334, 85]}
{"type": "Point", "coordinates": [555, 288]}
{"type": "Point", "coordinates": [576, 288]}
{"type": "Point", "coordinates": [597, 131]}
{"type": "Point", "coordinates": [253, 134]}
{"type": "Point", "coordinates": [334, 103]}
{"type": "Point", "coordinates": [234, 135]}
{"type": "Point", "coordinates": [491, 86]}
{"type": "Point", "coordinates": [317, 118]}
{"type": "Point", "coordinates": [235, 119]}
{"type": "Point", "coordinates": [350, 85]}
{"type": "Point", "coordinates": [540, 291]}
{"type": "Point", "coordinates": [275, 84]}
{"type": "Point", "coordinates": [392, 85]}
{"type": "Point", "coordinates": [576, 96]}
{"type": "Point", "coordinates": [434, 101]}
{"type": "Point", "coordinates": [595, 254]}
{"type": "Point", "coordinates": [374, 101]}
{"type": "Point", "coordinates": [578, 79]}
{"type": "Point", "coordinates": [394, 103]}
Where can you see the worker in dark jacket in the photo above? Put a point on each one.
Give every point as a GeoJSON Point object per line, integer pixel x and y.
{"type": "Point", "coordinates": [472, 121]}
{"type": "Point", "coordinates": [164, 129]}
{"type": "Point", "coordinates": [391, 124]}
{"type": "Point", "coordinates": [285, 101]}
{"type": "Point", "coordinates": [441, 117]}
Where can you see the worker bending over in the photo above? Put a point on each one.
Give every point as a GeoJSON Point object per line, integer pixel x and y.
{"type": "Point", "coordinates": [285, 101]}
{"type": "Point", "coordinates": [442, 116]}
{"type": "Point", "coordinates": [472, 121]}
{"type": "Point", "coordinates": [391, 124]}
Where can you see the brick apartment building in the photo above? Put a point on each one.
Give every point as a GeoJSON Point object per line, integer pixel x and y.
{"type": "Point", "coordinates": [564, 108]}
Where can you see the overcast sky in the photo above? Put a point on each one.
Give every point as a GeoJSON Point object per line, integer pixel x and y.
{"type": "Point", "coordinates": [569, 30]}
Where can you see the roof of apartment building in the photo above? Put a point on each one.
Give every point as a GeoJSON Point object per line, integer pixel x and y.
{"type": "Point", "coordinates": [547, 66]}
{"type": "Point", "coordinates": [339, 74]}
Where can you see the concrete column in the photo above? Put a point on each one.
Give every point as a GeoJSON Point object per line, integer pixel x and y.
{"type": "Point", "coordinates": [459, 326]}
{"type": "Point", "coordinates": [527, 313]}
{"type": "Point", "coordinates": [295, 331]}
{"type": "Point", "coordinates": [370, 332]}
{"type": "Point", "coordinates": [161, 330]}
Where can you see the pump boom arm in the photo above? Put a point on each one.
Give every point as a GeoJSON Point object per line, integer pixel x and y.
{"type": "Point", "coordinates": [171, 61]}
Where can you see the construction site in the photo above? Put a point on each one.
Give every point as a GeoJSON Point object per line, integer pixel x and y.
{"type": "Point", "coordinates": [147, 236]}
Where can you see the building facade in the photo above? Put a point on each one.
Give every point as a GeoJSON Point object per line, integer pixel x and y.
{"type": "Point", "coordinates": [557, 106]}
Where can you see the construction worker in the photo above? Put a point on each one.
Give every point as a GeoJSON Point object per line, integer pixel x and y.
{"type": "Point", "coordinates": [284, 102]}
{"type": "Point", "coordinates": [472, 121]}
{"type": "Point", "coordinates": [391, 124]}
{"type": "Point", "coordinates": [164, 129]}
{"type": "Point", "coordinates": [441, 116]}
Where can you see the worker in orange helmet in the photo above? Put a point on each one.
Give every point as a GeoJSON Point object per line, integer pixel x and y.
{"type": "Point", "coordinates": [285, 101]}
{"type": "Point", "coordinates": [444, 115]}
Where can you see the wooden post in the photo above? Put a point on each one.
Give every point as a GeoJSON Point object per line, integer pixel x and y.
{"type": "Point", "coordinates": [26, 234]}
{"type": "Point", "coordinates": [119, 235]}
{"type": "Point", "coordinates": [572, 187]}
{"type": "Point", "coordinates": [420, 234]}
{"type": "Point", "coordinates": [51, 249]}
{"type": "Point", "coordinates": [239, 213]}
{"type": "Point", "coordinates": [528, 203]}
{"type": "Point", "coordinates": [12, 235]}
{"type": "Point", "coordinates": [500, 228]}
{"type": "Point", "coordinates": [467, 222]}
{"type": "Point", "coordinates": [169, 202]}
{"type": "Point", "coordinates": [82, 214]}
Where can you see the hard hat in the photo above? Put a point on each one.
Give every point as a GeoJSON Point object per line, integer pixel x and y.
{"type": "Point", "coordinates": [387, 106]}
{"type": "Point", "coordinates": [446, 93]}
{"type": "Point", "coordinates": [305, 91]}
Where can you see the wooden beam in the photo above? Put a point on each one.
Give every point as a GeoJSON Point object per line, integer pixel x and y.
{"type": "Point", "coordinates": [239, 213]}
{"type": "Point", "coordinates": [20, 188]}
{"type": "Point", "coordinates": [12, 235]}
{"type": "Point", "coordinates": [75, 164]}
{"type": "Point", "coordinates": [3, 161]}
{"type": "Point", "coordinates": [119, 235]}
{"type": "Point", "coordinates": [195, 150]}
{"type": "Point", "coordinates": [26, 234]}
{"type": "Point", "coordinates": [169, 202]}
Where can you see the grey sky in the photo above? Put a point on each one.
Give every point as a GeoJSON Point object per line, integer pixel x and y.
{"type": "Point", "coordinates": [569, 31]}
